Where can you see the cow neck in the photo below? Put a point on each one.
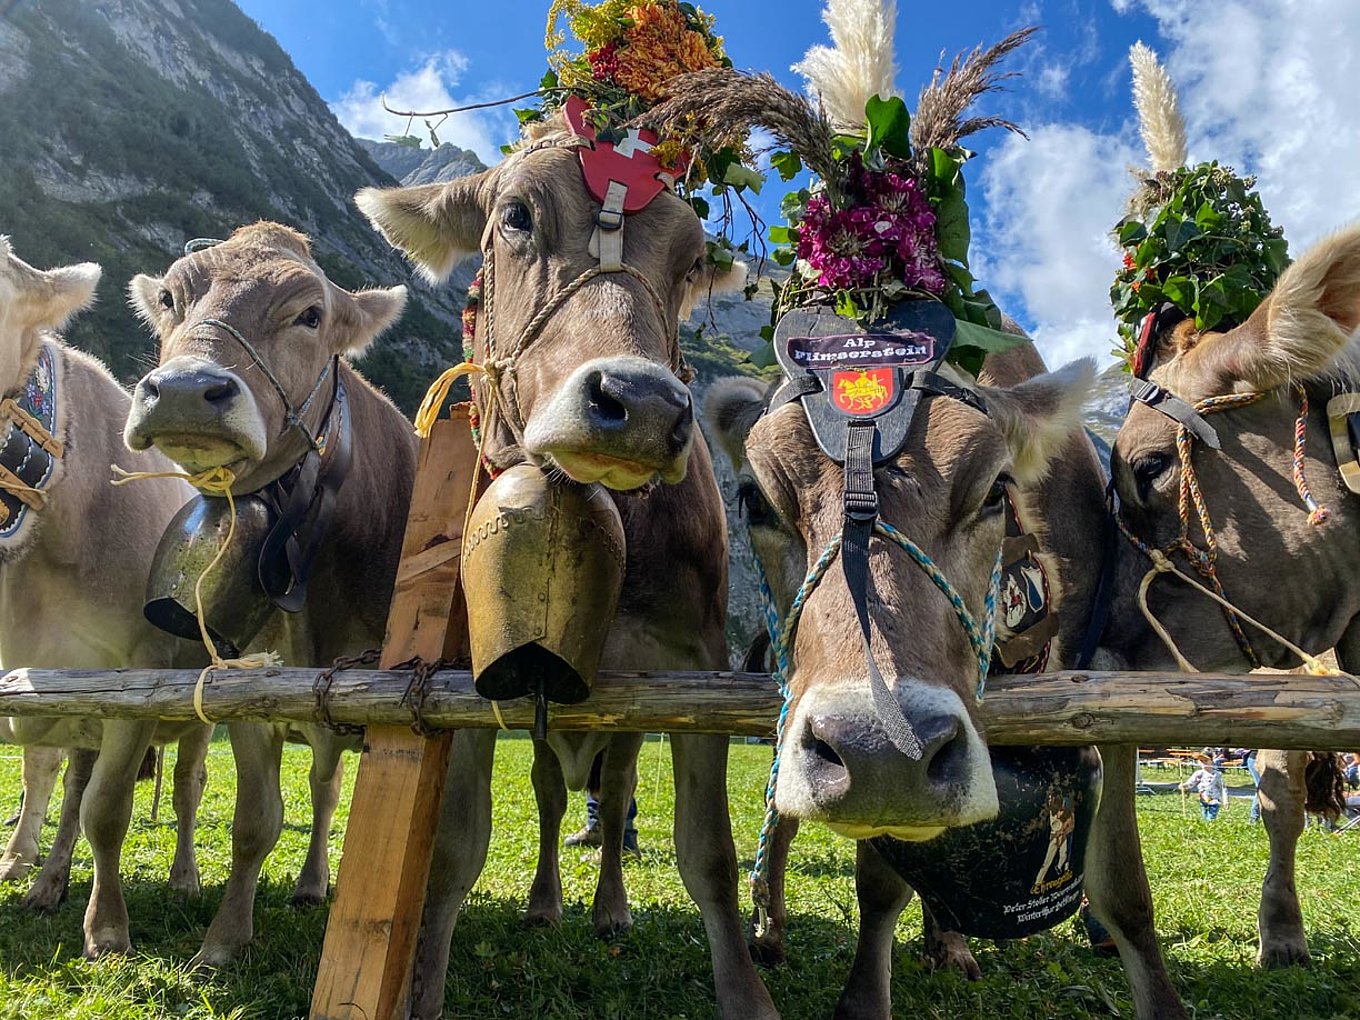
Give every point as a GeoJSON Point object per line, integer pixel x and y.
{"type": "Point", "coordinates": [31, 454]}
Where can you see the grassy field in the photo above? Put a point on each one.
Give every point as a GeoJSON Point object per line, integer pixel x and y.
{"type": "Point", "coordinates": [1206, 878]}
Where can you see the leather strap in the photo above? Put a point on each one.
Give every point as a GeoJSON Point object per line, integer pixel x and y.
{"type": "Point", "coordinates": [1176, 409]}
{"type": "Point", "coordinates": [861, 511]}
{"type": "Point", "coordinates": [606, 242]}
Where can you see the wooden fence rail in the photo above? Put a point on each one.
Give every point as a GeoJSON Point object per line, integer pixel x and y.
{"type": "Point", "coordinates": [1280, 711]}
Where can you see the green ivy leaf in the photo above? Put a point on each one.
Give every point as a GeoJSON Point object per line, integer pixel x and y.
{"type": "Point", "coordinates": [889, 126]}
{"type": "Point", "coordinates": [788, 164]}
{"type": "Point", "coordinates": [742, 177]}
{"type": "Point", "coordinates": [984, 338]}
{"type": "Point", "coordinates": [1131, 231]}
{"type": "Point", "coordinates": [951, 227]}
{"type": "Point", "coordinates": [781, 235]}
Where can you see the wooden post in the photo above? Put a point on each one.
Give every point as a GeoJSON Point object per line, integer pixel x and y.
{"type": "Point", "coordinates": [365, 968]}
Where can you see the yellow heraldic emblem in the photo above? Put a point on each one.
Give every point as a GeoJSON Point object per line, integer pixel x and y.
{"type": "Point", "coordinates": [862, 390]}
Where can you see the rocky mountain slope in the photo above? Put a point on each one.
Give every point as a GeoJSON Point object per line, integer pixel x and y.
{"type": "Point", "coordinates": [130, 126]}
{"type": "Point", "coordinates": [422, 166]}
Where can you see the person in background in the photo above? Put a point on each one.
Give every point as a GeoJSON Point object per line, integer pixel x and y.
{"type": "Point", "coordinates": [592, 835]}
{"type": "Point", "coordinates": [1351, 763]}
{"type": "Point", "coordinates": [1208, 784]}
{"type": "Point", "coordinates": [1248, 756]}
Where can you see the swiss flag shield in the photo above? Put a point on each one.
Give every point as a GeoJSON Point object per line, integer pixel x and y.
{"type": "Point", "coordinates": [630, 162]}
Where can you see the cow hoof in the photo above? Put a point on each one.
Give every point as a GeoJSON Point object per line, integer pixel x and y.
{"type": "Point", "coordinates": [543, 916]}
{"type": "Point", "coordinates": [46, 895]}
{"type": "Point", "coordinates": [14, 869]}
{"type": "Point", "coordinates": [1283, 953]}
{"type": "Point", "coordinates": [767, 952]}
{"type": "Point", "coordinates": [186, 883]}
{"type": "Point", "coordinates": [307, 900]}
{"type": "Point", "coordinates": [609, 925]}
{"type": "Point", "coordinates": [107, 944]}
{"type": "Point", "coordinates": [955, 959]}
{"type": "Point", "coordinates": [211, 958]}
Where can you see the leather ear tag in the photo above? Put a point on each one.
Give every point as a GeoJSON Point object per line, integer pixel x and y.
{"type": "Point", "coordinates": [863, 374]}
{"type": "Point", "coordinates": [628, 162]}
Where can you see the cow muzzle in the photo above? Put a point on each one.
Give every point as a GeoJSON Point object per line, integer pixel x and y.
{"type": "Point", "coordinates": [622, 422]}
{"type": "Point", "coordinates": [198, 414]}
{"type": "Point", "coordinates": [841, 768]}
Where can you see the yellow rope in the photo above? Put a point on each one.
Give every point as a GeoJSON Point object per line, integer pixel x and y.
{"type": "Point", "coordinates": [1161, 564]}
{"type": "Point", "coordinates": [496, 711]}
{"type": "Point", "coordinates": [213, 482]}
{"type": "Point", "coordinates": [439, 392]}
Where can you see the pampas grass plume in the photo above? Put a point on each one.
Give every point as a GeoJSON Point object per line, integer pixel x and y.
{"type": "Point", "coordinates": [860, 64]}
{"type": "Point", "coordinates": [1159, 115]}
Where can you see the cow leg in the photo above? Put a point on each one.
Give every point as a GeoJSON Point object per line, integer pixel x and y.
{"type": "Point", "coordinates": [768, 949]}
{"type": "Point", "coordinates": [708, 867]}
{"type": "Point", "coordinates": [618, 782]}
{"type": "Point", "coordinates": [550, 792]}
{"type": "Point", "coordinates": [105, 814]}
{"type": "Point", "coordinates": [1117, 886]}
{"type": "Point", "coordinates": [459, 854]}
{"type": "Point", "coordinates": [191, 775]}
{"type": "Point", "coordinates": [882, 896]}
{"type": "Point", "coordinates": [54, 879]}
{"type": "Point", "coordinates": [256, 824]}
{"type": "Point", "coordinates": [39, 777]}
{"type": "Point", "coordinates": [325, 778]}
{"type": "Point", "coordinates": [947, 950]}
{"type": "Point", "coordinates": [1280, 920]}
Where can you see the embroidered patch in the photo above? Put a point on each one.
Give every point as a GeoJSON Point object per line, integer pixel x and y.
{"type": "Point", "coordinates": [863, 392]}
{"type": "Point", "coordinates": [908, 348]}
{"type": "Point", "coordinates": [25, 459]}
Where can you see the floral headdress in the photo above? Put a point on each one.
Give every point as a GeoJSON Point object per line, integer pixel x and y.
{"type": "Point", "coordinates": [885, 219]}
{"type": "Point", "coordinates": [1195, 237]}
{"type": "Point", "coordinates": [631, 49]}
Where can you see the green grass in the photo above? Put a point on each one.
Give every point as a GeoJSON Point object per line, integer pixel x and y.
{"type": "Point", "coordinates": [1206, 878]}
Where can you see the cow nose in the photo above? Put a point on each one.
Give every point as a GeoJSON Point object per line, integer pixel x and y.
{"type": "Point", "coordinates": [642, 399]}
{"type": "Point", "coordinates": [186, 391]}
{"type": "Point", "coordinates": [849, 749]}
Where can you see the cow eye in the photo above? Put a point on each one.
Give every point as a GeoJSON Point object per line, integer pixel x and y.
{"type": "Point", "coordinates": [1147, 469]}
{"type": "Point", "coordinates": [516, 216]}
{"type": "Point", "coordinates": [167, 300]}
{"type": "Point", "coordinates": [754, 506]}
{"type": "Point", "coordinates": [996, 495]}
{"type": "Point", "coordinates": [311, 318]}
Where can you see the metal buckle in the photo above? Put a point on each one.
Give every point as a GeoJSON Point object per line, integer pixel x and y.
{"type": "Point", "coordinates": [609, 219]}
{"type": "Point", "coordinates": [1339, 410]}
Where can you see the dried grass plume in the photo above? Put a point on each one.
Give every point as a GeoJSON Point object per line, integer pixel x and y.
{"type": "Point", "coordinates": [1159, 114]}
{"type": "Point", "coordinates": [859, 65]}
{"type": "Point", "coordinates": [939, 120]}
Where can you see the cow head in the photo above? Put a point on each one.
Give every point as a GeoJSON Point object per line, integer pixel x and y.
{"type": "Point", "coordinates": [211, 402]}
{"type": "Point", "coordinates": [33, 300]}
{"type": "Point", "coordinates": [588, 363]}
{"type": "Point", "coordinates": [1292, 575]}
{"type": "Point", "coordinates": [944, 490]}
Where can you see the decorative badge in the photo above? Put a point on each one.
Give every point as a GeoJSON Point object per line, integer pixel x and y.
{"type": "Point", "coordinates": [863, 392]}
{"type": "Point", "coordinates": [629, 161]}
{"type": "Point", "coordinates": [908, 348]}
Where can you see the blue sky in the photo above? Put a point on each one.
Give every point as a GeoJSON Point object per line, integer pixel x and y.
{"type": "Point", "coordinates": [1266, 86]}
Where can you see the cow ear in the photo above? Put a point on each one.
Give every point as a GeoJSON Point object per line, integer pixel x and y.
{"type": "Point", "coordinates": [144, 295]}
{"type": "Point", "coordinates": [436, 225]}
{"type": "Point", "coordinates": [1037, 416]}
{"type": "Point", "coordinates": [731, 408]}
{"type": "Point", "coordinates": [708, 280]}
{"type": "Point", "coordinates": [364, 316]}
{"type": "Point", "coordinates": [51, 298]}
{"type": "Point", "coordinates": [1310, 316]}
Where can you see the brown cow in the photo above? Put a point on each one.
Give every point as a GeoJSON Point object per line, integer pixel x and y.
{"type": "Point", "coordinates": [598, 398]}
{"type": "Point", "coordinates": [72, 574]}
{"type": "Point", "coordinates": [249, 329]}
{"type": "Point", "coordinates": [944, 491]}
{"type": "Point", "coordinates": [1301, 338]}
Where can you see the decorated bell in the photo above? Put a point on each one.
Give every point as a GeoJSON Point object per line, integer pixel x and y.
{"type": "Point", "coordinates": [1022, 872]}
{"type": "Point", "coordinates": [542, 567]}
{"type": "Point", "coordinates": [235, 602]}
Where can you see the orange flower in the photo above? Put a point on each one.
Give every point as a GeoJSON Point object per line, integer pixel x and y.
{"type": "Point", "coordinates": [658, 46]}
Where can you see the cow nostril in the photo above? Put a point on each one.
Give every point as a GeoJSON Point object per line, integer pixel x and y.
{"type": "Point", "coordinates": [827, 753]}
{"type": "Point", "coordinates": [949, 764]}
{"type": "Point", "coordinates": [684, 426]}
{"type": "Point", "coordinates": [150, 388]}
{"type": "Point", "coordinates": [605, 406]}
{"type": "Point", "coordinates": [220, 392]}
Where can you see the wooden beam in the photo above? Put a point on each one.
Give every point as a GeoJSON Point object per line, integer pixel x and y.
{"type": "Point", "coordinates": [1171, 709]}
{"type": "Point", "coordinates": [366, 959]}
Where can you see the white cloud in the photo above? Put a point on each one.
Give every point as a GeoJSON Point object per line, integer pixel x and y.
{"type": "Point", "coordinates": [433, 85]}
{"type": "Point", "coordinates": [1265, 87]}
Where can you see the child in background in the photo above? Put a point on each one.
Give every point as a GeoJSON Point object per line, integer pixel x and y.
{"type": "Point", "coordinates": [1208, 784]}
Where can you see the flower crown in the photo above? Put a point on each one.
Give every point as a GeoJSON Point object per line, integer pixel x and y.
{"type": "Point", "coordinates": [631, 50]}
{"type": "Point", "coordinates": [1197, 237]}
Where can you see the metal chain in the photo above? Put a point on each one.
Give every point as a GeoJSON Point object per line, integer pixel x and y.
{"type": "Point", "coordinates": [321, 690]}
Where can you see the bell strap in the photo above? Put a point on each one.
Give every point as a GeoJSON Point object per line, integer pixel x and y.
{"type": "Point", "coordinates": [1176, 409]}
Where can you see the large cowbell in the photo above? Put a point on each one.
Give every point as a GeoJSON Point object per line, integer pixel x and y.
{"type": "Point", "coordinates": [543, 566]}
{"type": "Point", "coordinates": [862, 373]}
{"type": "Point", "coordinates": [1022, 872]}
{"type": "Point", "coordinates": [235, 597]}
